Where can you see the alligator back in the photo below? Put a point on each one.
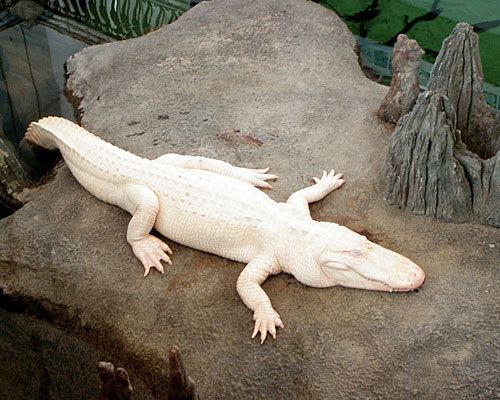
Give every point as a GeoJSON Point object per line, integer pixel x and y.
{"type": "Point", "coordinates": [198, 208]}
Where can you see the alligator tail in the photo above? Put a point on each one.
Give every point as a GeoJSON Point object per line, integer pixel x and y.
{"type": "Point", "coordinates": [39, 134]}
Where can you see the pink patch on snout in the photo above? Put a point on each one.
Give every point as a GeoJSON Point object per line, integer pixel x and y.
{"type": "Point", "coordinates": [418, 282]}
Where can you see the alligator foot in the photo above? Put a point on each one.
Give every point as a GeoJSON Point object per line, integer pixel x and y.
{"type": "Point", "coordinates": [266, 320]}
{"type": "Point", "coordinates": [329, 181]}
{"type": "Point", "coordinates": [256, 177]}
{"type": "Point", "coordinates": [151, 251]}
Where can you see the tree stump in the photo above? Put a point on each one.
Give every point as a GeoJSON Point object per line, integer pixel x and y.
{"type": "Point", "coordinates": [115, 384]}
{"type": "Point", "coordinates": [13, 178]}
{"type": "Point", "coordinates": [430, 171]}
{"type": "Point", "coordinates": [180, 385]}
{"type": "Point", "coordinates": [444, 158]}
{"type": "Point", "coordinates": [458, 73]}
{"type": "Point", "coordinates": [404, 84]}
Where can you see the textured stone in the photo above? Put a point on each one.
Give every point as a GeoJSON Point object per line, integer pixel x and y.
{"type": "Point", "coordinates": [285, 75]}
{"type": "Point", "coordinates": [39, 361]}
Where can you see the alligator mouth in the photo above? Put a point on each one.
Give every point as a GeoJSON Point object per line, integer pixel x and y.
{"type": "Point", "coordinates": [411, 288]}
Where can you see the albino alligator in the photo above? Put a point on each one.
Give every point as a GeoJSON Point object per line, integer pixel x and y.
{"type": "Point", "coordinates": [215, 207]}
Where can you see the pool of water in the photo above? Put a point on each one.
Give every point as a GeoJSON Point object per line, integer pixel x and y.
{"type": "Point", "coordinates": [32, 60]}
{"type": "Point", "coordinates": [38, 361]}
{"type": "Point", "coordinates": [34, 45]}
{"type": "Point", "coordinates": [379, 22]}
{"type": "Point", "coordinates": [121, 19]}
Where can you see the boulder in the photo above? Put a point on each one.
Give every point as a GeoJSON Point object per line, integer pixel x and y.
{"type": "Point", "coordinates": [255, 83]}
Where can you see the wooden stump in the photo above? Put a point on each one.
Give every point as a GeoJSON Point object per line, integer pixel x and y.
{"type": "Point", "coordinates": [115, 384]}
{"type": "Point", "coordinates": [430, 171]}
{"type": "Point", "coordinates": [181, 386]}
{"type": "Point", "coordinates": [404, 85]}
{"type": "Point", "coordinates": [13, 178]}
{"type": "Point", "coordinates": [444, 158]}
{"type": "Point", "coordinates": [458, 73]}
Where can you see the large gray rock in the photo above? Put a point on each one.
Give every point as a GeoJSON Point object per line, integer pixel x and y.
{"type": "Point", "coordinates": [255, 83]}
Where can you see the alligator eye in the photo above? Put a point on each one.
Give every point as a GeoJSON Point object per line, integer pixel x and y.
{"type": "Point", "coordinates": [357, 252]}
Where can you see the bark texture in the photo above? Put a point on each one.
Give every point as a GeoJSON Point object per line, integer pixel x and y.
{"type": "Point", "coordinates": [444, 159]}
{"type": "Point", "coordinates": [115, 384]}
{"type": "Point", "coordinates": [181, 386]}
{"type": "Point", "coordinates": [458, 73]}
{"type": "Point", "coordinates": [430, 171]}
{"type": "Point", "coordinates": [404, 85]}
{"type": "Point", "coordinates": [13, 178]}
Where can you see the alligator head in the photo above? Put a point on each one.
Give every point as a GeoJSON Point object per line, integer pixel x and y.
{"type": "Point", "coordinates": [350, 259]}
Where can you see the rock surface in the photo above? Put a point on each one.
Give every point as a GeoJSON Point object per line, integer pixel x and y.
{"type": "Point", "coordinates": [38, 361]}
{"type": "Point", "coordinates": [256, 83]}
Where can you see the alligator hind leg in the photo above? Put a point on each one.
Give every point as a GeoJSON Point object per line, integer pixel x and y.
{"type": "Point", "coordinates": [323, 186]}
{"type": "Point", "coordinates": [143, 204]}
{"type": "Point", "coordinates": [256, 177]}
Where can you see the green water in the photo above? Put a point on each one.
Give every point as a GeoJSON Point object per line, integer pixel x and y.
{"type": "Point", "coordinates": [120, 19]}
{"type": "Point", "coordinates": [32, 57]}
{"type": "Point", "coordinates": [427, 21]}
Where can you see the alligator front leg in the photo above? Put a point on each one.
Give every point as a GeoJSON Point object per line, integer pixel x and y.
{"type": "Point", "coordinates": [323, 186]}
{"type": "Point", "coordinates": [256, 177]}
{"type": "Point", "coordinates": [143, 204]}
{"type": "Point", "coordinates": [254, 297]}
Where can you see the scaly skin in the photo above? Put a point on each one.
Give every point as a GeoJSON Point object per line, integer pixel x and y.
{"type": "Point", "coordinates": [213, 206]}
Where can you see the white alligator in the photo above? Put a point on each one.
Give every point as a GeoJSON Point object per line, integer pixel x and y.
{"type": "Point", "coordinates": [213, 206]}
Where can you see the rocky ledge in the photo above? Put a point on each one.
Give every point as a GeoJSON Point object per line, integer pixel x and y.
{"type": "Point", "coordinates": [256, 83]}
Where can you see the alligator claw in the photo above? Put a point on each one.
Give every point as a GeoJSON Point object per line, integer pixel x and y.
{"type": "Point", "coordinates": [151, 251]}
{"type": "Point", "coordinates": [329, 180]}
{"type": "Point", "coordinates": [256, 177]}
{"type": "Point", "coordinates": [266, 320]}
